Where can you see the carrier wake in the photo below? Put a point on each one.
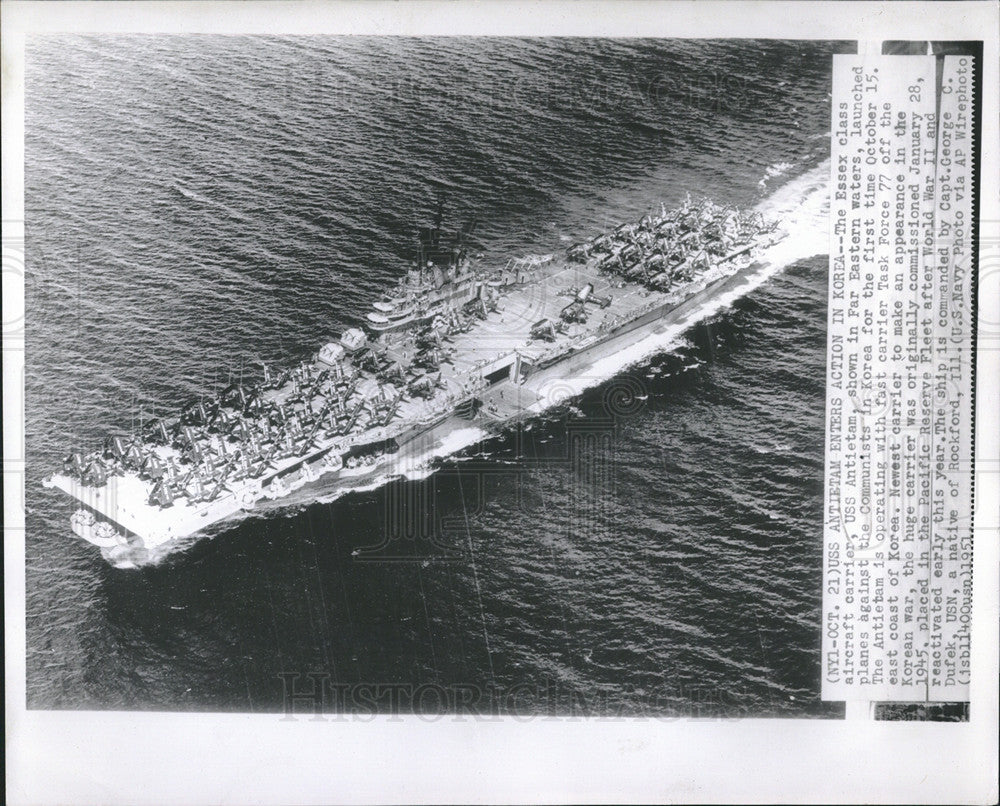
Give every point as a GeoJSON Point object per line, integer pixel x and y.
{"type": "Point", "coordinates": [455, 346]}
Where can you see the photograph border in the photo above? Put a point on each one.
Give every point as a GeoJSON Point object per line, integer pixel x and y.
{"type": "Point", "coordinates": [155, 757]}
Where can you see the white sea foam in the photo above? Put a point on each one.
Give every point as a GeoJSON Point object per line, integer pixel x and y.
{"type": "Point", "coordinates": [774, 171]}
{"type": "Point", "coordinates": [457, 440]}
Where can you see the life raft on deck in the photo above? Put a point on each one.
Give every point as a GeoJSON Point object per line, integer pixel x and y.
{"type": "Point", "coordinates": [98, 533]}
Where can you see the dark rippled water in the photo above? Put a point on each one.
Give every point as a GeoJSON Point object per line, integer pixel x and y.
{"type": "Point", "coordinates": [197, 204]}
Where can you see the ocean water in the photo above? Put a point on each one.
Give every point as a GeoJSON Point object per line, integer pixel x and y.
{"type": "Point", "coordinates": [198, 205]}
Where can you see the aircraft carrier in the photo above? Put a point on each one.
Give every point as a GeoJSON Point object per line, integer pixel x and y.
{"type": "Point", "coordinates": [455, 347]}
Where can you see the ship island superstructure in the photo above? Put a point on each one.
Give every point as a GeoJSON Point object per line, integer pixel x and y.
{"type": "Point", "coordinates": [454, 345]}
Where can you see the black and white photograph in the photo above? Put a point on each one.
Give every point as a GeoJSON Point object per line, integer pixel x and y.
{"type": "Point", "coordinates": [466, 380]}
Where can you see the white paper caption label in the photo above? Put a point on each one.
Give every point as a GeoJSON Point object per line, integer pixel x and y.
{"type": "Point", "coordinates": [897, 570]}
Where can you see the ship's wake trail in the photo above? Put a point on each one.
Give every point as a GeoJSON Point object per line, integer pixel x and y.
{"type": "Point", "coordinates": [801, 208]}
